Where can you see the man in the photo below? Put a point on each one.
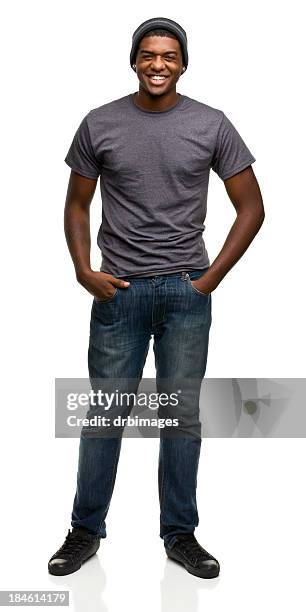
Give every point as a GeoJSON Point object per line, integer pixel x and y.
{"type": "Point", "coordinates": [153, 151]}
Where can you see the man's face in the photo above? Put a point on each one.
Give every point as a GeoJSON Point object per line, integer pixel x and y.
{"type": "Point", "coordinates": [158, 56]}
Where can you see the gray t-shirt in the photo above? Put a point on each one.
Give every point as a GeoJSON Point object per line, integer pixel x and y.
{"type": "Point", "coordinates": [154, 172]}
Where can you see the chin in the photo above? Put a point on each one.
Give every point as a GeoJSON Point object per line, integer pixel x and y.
{"type": "Point", "coordinates": [155, 92]}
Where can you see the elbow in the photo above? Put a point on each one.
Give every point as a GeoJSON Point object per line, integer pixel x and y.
{"type": "Point", "coordinates": [260, 217]}
{"type": "Point", "coordinates": [259, 211]}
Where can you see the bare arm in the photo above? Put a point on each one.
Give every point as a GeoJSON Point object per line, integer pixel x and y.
{"type": "Point", "coordinates": [79, 196]}
{"type": "Point", "coordinates": [244, 193]}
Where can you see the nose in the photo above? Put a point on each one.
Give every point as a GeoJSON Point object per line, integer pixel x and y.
{"type": "Point", "coordinates": [157, 63]}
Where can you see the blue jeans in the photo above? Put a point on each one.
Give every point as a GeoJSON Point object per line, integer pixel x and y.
{"type": "Point", "coordinates": [178, 316]}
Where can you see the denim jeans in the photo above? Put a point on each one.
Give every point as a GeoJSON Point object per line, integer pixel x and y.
{"type": "Point", "coordinates": [178, 317]}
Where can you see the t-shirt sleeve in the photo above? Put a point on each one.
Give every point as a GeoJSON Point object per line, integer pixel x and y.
{"type": "Point", "coordinates": [81, 157]}
{"type": "Point", "coordinates": [231, 155]}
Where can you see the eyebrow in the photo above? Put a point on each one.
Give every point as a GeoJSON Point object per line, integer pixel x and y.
{"type": "Point", "coordinates": [146, 51]}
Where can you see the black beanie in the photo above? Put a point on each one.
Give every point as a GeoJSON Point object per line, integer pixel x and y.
{"type": "Point", "coordinates": [164, 24]}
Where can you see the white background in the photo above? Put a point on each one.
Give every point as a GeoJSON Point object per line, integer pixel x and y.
{"type": "Point", "coordinates": [59, 60]}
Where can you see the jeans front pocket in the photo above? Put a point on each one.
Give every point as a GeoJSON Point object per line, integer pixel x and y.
{"type": "Point", "coordinates": [196, 276]}
{"type": "Point", "coordinates": [98, 301]}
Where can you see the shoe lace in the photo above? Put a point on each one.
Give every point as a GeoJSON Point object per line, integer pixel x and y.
{"type": "Point", "coordinates": [74, 543]}
{"type": "Point", "coordinates": [191, 547]}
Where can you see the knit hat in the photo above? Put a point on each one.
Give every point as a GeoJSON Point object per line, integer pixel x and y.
{"type": "Point", "coordinates": [159, 23]}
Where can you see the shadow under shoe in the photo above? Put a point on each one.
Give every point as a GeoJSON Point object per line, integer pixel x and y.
{"type": "Point", "coordinates": [197, 561]}
{"type": "Point", "coordinates": [79, 546]}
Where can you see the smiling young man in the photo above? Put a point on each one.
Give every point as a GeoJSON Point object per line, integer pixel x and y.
{"type": "Point", "coordinates": [153, 151]}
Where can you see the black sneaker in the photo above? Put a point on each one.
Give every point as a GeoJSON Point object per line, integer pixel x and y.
{"type": "Point", "coordinates": [79, 545]}
{"type": "Point", "coordinates": [196, 559]}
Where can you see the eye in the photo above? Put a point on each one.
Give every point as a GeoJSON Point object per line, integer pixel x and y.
{"type": "Point", "coordinates": [167, 57]}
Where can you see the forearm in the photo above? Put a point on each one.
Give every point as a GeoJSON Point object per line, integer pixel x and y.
{"type": "Point", "coordinates": [77, 232]}
{"type": "Point", "coordinates": [240, 236]}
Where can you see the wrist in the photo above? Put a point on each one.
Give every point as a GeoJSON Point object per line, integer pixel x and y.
{"type": "Point", "coordinates": [210, 280]}
{"type": "Point", "coordinates": [203, 287]}
{"type": "Point", "coordinates": [82, 274]}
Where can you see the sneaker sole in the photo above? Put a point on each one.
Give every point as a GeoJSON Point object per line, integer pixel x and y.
{"type": "Point", "coordinates": [212, 572]}
{"type": "Point", "coordinates": [62, 572]}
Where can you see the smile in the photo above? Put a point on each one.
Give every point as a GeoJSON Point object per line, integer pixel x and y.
{"type": "Point", "coordinates": [156, 80]}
